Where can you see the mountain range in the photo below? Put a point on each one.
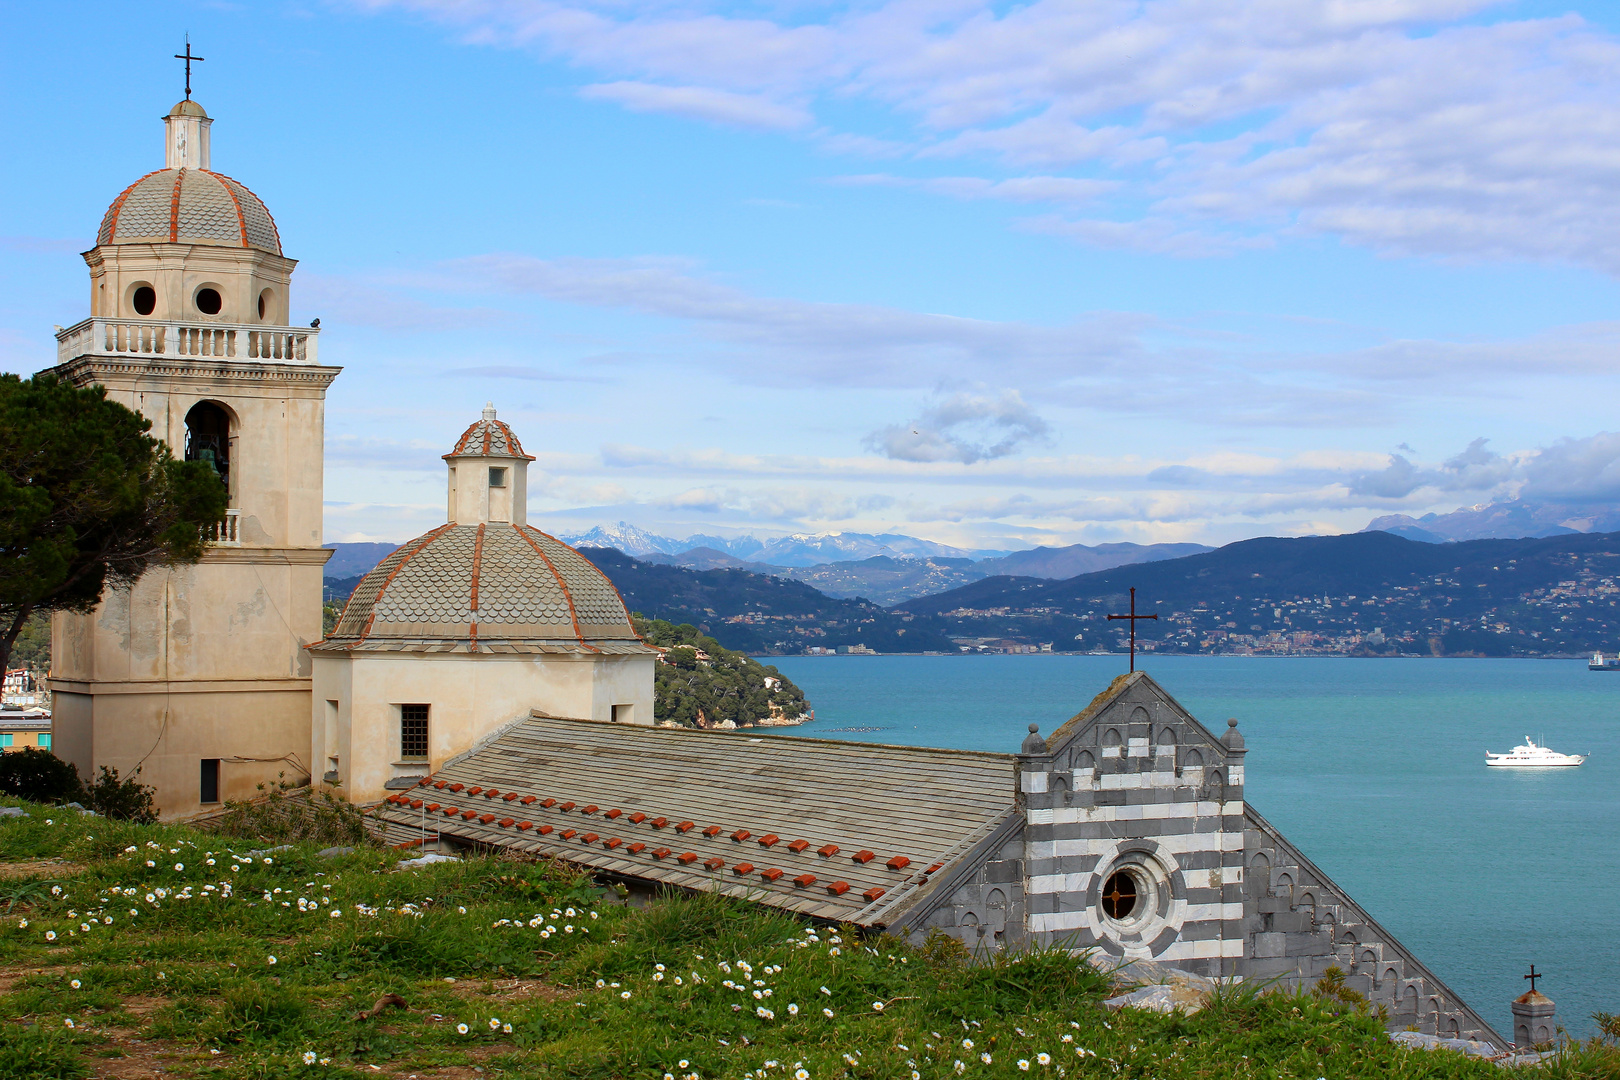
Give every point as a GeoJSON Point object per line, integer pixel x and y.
{"type": "Point", "coordinates": [799, 549]}
{"type": "Point", "coordinates": [1505, 520]}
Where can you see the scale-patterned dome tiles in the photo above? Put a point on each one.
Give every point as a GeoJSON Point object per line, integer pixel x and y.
{"type": "Point", "coordinates": [189, 206]}
{"type": "Point", "coordinates": [597, 605]}
{"type": "Point", "coordinates": [517, 592]}
{"type": "Point", "coordinates": [533, 592]}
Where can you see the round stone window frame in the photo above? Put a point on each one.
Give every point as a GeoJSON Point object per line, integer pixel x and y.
{"type": "Point", "coordinates": [1156, 918]}
{"type": "Point", "coordinates": [197, 298]}
{"type": "Point", "coordinates": [132, 297]}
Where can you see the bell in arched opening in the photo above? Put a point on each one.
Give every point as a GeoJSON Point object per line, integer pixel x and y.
{"type": "Point", "coordinates": [208, 439]}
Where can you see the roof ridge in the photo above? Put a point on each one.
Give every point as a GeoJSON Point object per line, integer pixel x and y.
{"type": "Point", "coordinates": [174, 206]}
{"type": "Point", "coordinates": [274, 228]}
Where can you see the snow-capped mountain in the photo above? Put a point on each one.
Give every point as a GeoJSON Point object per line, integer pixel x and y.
{"type": "Point", "coordinates": [627, 538]}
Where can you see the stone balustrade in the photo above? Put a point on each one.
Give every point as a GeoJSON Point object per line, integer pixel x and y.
{"type": "Point", "coordinates": [182, 340]}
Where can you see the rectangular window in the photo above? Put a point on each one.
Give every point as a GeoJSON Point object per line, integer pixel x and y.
{"type": "Point", "coordinates": [7, 739]}
{"type": "Point", "coordinates": [210, 780]}
{"type": "Point", "coordinates": [413, 732]}
{"type": "Point", "coordinates": [497, 477]}
{"type": "Point", "coordinates": [45, 741]}
{"type": "Point", "coordinates": [624, 714]}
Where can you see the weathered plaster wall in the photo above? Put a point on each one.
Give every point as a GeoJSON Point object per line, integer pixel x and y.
{"type": "Point", "coordinates": [469, 696]}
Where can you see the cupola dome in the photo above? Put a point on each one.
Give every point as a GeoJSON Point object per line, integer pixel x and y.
{"type": "Point", "coordinates": [486, 581]}
{"type": "Point", "coordinates": [186, 203]}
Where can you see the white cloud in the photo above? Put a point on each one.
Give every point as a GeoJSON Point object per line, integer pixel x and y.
{"type": "Point", "coordinates": [965, 427]}
{"type": "Point", "coordinates": [1024, 189]}
{"type": "Point", "coordinates": [1430, 127]}
{"type": "Point", "coordinates": [701, 103]}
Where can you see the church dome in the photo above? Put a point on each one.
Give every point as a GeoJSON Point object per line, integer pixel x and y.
{"type": "Point", "coordinates": [488, 437]}
{"type": "Point", "coordinates": [189, 206]}
{"type": "Point", "coordinates": [492, 588]}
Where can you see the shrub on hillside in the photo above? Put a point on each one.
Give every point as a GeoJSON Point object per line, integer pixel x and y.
{"type": "Point", "coordinates": [124, 799]}
{"type": "Point", "coordinates": [38, 776]}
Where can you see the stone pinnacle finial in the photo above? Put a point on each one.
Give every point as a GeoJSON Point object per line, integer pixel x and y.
{"type": "Point", "coordinates": [1033, 743]}
{"type": "Point", "coordinates": [489, 410]}
{"type": "Point", "coordinates": [1233, 739]}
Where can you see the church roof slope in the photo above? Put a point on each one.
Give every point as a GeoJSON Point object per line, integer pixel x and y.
{"type": "Point", "coordinates": [855, 832]}
{"type": "Point", "coordinates": [490, 587]}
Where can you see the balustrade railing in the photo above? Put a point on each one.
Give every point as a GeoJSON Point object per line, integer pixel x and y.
{"type": "Point", "coordinates": [150, 337]}
{"type": "Point", "coordinates": [226, 532]}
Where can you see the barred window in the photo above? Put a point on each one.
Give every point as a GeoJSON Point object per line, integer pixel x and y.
{"type": "Point", "coordinates": [413, 732]}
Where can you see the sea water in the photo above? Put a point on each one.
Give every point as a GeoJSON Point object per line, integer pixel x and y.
{"type": "Point", "coordinates": [1375, 769]}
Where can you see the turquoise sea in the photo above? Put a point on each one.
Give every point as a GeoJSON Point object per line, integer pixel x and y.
{"type": "Point", "coordinates": [1375, 768]}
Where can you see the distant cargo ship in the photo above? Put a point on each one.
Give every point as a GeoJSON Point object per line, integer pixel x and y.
{"type": "Point", "coordinates": [1599, 663]}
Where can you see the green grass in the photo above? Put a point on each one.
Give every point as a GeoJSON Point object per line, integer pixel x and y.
{"type": "Point", "coordinates": [209, 964]}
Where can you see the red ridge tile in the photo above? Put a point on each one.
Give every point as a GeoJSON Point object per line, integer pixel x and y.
{"type": "Point", "coordinates": [524, 826]}
{"type": "Point", "coordinates": [798, 846]}
{"type": "Point", "coordinates": [591, 809]}
{"type": "Point", "coordinates": [637, 818]}
{"type": "Point", "coordinates": [490, 793]}
{"type": "Point", "coordinates": [743, 869]}
{"type": "Point", "coordinates": [804, 881]}
{"type": "Point", "coordinates": [416, 804]}
{"type": "Point", "coordinates": [528, 800]}
{"type": "Point", "coordinates": [714, 863]}
{"type": "Point", "coordinates": [684, 826]}
{"type": "Point", "coordinates": [611, 814]}
{"type": "Point", "coordinates": [872, 894]}
{"type": "Point", "coordinates": [659, 822]}
{"type": "Point", "coordinates": [432, 807]}
{"type": "Point", "coordinates": [660, 853]}
{"type": "Point", "coordinates": [899, 862]}
{"type": "Point", "coordinates": [568, 834]}
{"type": "Point", "coordinates": [712, 830]}
{"type": "Point", "coordinates": [469, 814]}
{"type": "Point", "coordinates": [686, 857]}
{"type": "Point", "coordinates": [509, 796]}
{"type": "Point", "coordinates": [457, 787]}
{"type": "Point", "coordinates": [770, 875]}
{"type": "Point", "coordinates": [425, 781]}
{"type": "Point", "coordinates": [474, 790]}
{"type": "Point", "coordinates": [505, 823]}
{"type": "Point", "coordinates": [863, 857]}
{"type": "Point", "coordinates": [588, 838]}
{"type": "Point", "coordinates": [827, 852]}
{"type": "Point", "coordinates": [486, 818]}
{"type": "Point", "coordinates": [545, 829]}
{"type": "Point", "coordinates": [740, 835]}
{"type": "Point", "coordinates": [613, 843]}
{"type": "Point", "coordinates": [438, 785]}
{"type": "Point", "coordinates": [636, 848]}
{"type": "Point", "coordinates": [933, 868]}
{"type": "Point", "coordinates": [838, 888]}
{"type": "Point", "coordinates": [565, 807]}
{"type": "Point", "coordinates": [769, 840]}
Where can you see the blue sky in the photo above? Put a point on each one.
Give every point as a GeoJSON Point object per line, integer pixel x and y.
{"type": "Point", "coordinates": [993, 275]}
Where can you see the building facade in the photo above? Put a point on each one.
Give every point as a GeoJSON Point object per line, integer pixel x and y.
{"type": "Point", "coordinates": [466, 628]}
{"type": "Point", "coordinates": [1125, 834]}
{"type": "Point", "coordinates": [198, 675]}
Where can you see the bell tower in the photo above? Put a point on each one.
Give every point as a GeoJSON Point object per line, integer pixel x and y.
{"type": "Point", "coordinates": [198, 675]}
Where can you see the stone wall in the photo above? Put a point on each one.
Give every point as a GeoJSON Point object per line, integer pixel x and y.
{"type": "Point", "coordinates": [1299, 923]}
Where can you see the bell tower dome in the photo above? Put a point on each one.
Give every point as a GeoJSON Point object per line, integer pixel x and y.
{"type": "Point", "coordinates": [198, 675]}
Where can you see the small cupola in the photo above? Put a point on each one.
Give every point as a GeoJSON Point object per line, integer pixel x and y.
{"type": "Point", "coordinates": [489, 475]}
{"type": "Point", "coordinates": [185, 136]}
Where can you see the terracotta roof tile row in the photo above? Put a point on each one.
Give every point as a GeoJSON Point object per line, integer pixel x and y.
{"type": "Point", "coordinates": [836, 801]}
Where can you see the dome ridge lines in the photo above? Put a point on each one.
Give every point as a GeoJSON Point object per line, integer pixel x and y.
{"type": "Point", "coordinates": [230, 183]}
{"type": "Point", "coordinates": [174, 207]}
{"type": "Point", "coordinates": [561, 584]}
{"type": "Point", "coordinates": [425, 541]}
{"type": "Point", "coordinates": [109, 223]}
{"type": "Point", "coordinates": [241, 222]}
{"type": "Point", "coordinates": [477, 567]}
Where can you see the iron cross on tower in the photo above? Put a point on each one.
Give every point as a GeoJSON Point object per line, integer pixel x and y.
{"type": "Point", "coordinates": [1533, 976]}
{"type": "Point", "coordinates": [1132, 618]}
{"type": "Point", "coordinates": [188, 58]}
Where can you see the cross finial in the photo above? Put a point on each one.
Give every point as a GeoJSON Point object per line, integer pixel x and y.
{"type": "Point", "coordinates": [1533, 976]}
{"type": "Point", "coordinates": [188, 58]}
{"type": "Point", "coordinates": [1132, 618]}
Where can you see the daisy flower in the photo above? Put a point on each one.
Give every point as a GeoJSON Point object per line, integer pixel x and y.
{"type": "Point", "coordinates": [461, 1029]}
{"type": "Point", "coordinates": [309, 1057]}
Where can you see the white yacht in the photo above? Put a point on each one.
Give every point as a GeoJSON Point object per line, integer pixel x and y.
{"type": "Point", "coordinates": [1531, 756]}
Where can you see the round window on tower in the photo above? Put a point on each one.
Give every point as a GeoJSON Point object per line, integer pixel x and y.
{"type": "Point", "coordinates": [1119, 895]}
{"type": "Point", "coordinates": [266, 303]}
{"type": "Point", "coordinates": [143, 300]}
{"type": "Point", "coordinates": [208, 301]}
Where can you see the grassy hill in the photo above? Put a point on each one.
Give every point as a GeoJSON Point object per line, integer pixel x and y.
{"type": "Point", "coordinates": [128, 951]}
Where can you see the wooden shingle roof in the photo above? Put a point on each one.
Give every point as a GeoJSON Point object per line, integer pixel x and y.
{"type": "Point", "coordinates": [847, 831]}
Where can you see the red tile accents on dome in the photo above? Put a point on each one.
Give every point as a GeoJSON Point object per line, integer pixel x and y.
{"type": "Point", "coordinates": [488, 437]}
{"type": "Point", "coordinates": [189, 206]}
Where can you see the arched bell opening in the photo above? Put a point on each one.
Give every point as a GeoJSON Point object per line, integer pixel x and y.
{"type": "Point", "coordinates": [208, 439]}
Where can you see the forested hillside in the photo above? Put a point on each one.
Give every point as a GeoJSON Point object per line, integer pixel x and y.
{"type": "Point", "coordinates": [702, 684]}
